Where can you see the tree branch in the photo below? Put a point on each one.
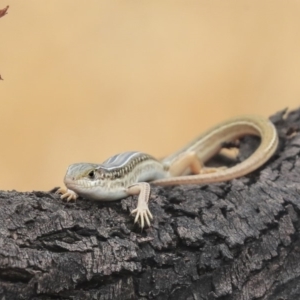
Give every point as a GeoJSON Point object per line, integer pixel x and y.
{"type": "Point", "coordinates": [232, 240]}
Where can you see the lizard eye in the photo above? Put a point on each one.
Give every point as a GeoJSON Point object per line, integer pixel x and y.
{"type": "Point", "coordinates": [91, 174]}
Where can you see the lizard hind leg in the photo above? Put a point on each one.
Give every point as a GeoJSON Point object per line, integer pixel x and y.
{"type": "Point", "coordinates": [189, 161]}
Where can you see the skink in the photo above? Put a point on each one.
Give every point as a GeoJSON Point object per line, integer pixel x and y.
{"type": "Point", "coordinates": [128, 173]}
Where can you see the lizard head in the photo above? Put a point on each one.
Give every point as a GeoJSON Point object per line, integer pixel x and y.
{"type": "Point", "coordinates": [81, 171]}
{"type": "Point", "coordinates": [82, 178]}
{"type": "Point", "coordinates": [90, 181]}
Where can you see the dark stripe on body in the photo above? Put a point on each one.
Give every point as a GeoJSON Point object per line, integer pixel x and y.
{"type": "Point", "coordinates": [120, 160]}
{"type": "Point", "coordinates": [125, 159]}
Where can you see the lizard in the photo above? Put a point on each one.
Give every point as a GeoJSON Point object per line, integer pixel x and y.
{"type": "Point", "coordinates": [129, 173]}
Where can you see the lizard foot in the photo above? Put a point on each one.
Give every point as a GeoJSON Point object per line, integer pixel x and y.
{"type": "Point", "coordinates": [67, 194]}
{"type": "Point", "coordinates": [142, 214]}
{"type": "Point", "coordinates": [206, 170]}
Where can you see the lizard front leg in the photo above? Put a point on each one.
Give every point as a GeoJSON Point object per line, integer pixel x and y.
{"type": "Point", "coordinates": [142, 212]}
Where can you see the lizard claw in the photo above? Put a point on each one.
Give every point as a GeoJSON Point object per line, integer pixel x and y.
{"type": "Point", "coordinates": [142, 215]}
{"type": "Point", "coordinates": [67, 194]}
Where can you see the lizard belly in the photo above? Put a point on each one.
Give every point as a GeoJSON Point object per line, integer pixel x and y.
{"type": "Point", "coordinates": [150, 171]}
{"type": "Point", "coordinates": [100, 194]}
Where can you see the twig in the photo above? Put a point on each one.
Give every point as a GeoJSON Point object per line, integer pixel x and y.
{"type": "Point", "coordinates": [3, 11]}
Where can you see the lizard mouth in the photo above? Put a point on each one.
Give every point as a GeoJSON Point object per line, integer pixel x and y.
{"type": "Point", "coordinates": [80, 184]}
{"type": "Point", "coordinates": [69, 181]}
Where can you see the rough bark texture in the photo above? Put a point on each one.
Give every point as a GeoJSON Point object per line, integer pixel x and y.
{"type": "Point", "coordinates": [234, 240]}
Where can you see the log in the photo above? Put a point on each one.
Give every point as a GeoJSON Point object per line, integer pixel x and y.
{"type": "Point", "coordinates": [232, 240]}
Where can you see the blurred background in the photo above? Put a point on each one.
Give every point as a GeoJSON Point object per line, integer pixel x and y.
{"type": "Point", "coordinates": [86, 80]}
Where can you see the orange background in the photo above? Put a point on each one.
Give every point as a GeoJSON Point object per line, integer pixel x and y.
{"type": "Point", "coordinates": [86, 80]}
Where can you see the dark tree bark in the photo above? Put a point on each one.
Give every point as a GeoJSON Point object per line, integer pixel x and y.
{"type": "Point", "coordinates": [233, 240]}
